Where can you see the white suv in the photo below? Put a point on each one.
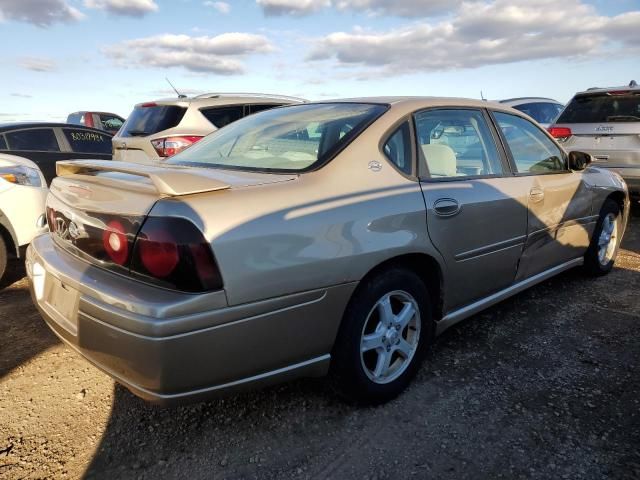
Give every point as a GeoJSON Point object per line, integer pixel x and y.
{"type": "Point", "coordinates": [23, 192]}
{"type": "Point", "coordinates": [159, 129]}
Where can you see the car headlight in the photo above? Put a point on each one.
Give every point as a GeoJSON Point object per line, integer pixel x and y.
{"type": "Point", "coordinates": [21, 175]}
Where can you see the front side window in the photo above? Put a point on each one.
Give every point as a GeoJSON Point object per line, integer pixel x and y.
{"type": "Point", "coordinates": [531, 149]}
{"type": "Point", "coordinates": [398, 148]}
{"type": "Point", "coordinates": [284, 139]}
{"type": "Point", "coordinates": [87, 141]}
{"type": "Point", "coordinates": [223, 116]}
{"type": "Point", "coordinates": [3, 143]}
{"type": "Point", "coordinates": [36, 139]}
{"type": "Point", "coordinates": [259, 107]}
{"type": "Point", "coordinates": [457, 143]}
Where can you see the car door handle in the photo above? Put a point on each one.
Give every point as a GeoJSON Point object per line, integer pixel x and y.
{"type": "Point", "coordinates": [446, 207]}
{"type": "Point", "coordinates": [536, 195]}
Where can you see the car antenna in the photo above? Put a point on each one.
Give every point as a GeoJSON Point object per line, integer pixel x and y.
{"type": "Point", "coordinates": [482, 96]}
{"type": "Point", "coordinates": [175, 89]}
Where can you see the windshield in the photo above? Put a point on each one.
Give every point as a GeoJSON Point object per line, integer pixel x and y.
{"type": "Point", "coordinates": [602, 107]}
{"type": "Point", "coordinates": [293, 138]}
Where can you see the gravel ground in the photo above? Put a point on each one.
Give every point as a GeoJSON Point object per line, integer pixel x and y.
{"type": "Point", "coordinates": [544, 385]}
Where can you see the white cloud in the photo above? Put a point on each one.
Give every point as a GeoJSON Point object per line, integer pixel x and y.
{"type": "Point", "coordinates": [21, 95]}
{"type": "Point", "coordinates": [292, 7]}
{"type": "Point", "coordinates": [221, 54]}
{"type": "Point", "coordinates": [42, 13]}
{"type": "Point", "coordinates": [222, 7]}
{"type": "Point", "coordinates": [36, 64]}
{"type": "Point", "coordinates": [401, 8]}
{"type": "Point", "coordinates": [127, 8]}
{"type": "Point", "coordinates": [484, 33]}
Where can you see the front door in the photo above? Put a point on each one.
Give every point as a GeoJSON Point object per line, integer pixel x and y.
{"type": "Point", "coordinates": [476, 210]}
{"type": "Point", "coordinates": [560, 221]}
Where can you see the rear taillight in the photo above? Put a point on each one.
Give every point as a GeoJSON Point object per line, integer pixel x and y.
{"type": "Point", "coordinates": [172, 252]}
{"type": "Point", "coordinates": [114, 241]}
{"type": "Point", "coordinates": [560, 132]}
{"type": "Point", "coordinates": [169, 146]}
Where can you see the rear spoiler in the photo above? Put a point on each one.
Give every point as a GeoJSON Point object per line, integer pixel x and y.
{"type": "Point", "coordinates": [171, 181]}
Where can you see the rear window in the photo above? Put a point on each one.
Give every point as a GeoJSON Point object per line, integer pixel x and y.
{"type": "Point", "coordinates": [76, 119]}
{"type": "Point", "coordinates": [87, 141]}
{"type": "Point", "coordinates": [145, 121]}
{"type": "Point", "coordinates": [36, 139]}
{"type": "Point", "coordinates": [541, 112]}
{"type": "Point", "coordinates": [602, 107]}
{"type": "Point", "coordinates": [222, 116]}
{"type": "Point", "coordinates": [288, 139]}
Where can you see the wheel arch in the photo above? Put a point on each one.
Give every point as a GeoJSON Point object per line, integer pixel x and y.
{"type": "Point", "coordinates": [9, 241]}
{"type": "Point", "coordinates": [617, 197]}
{"type": "Point", "coordinates": [423, 265]}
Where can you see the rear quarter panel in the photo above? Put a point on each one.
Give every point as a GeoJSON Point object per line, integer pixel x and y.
{"type": "Point", "coordinates": [324, 228]}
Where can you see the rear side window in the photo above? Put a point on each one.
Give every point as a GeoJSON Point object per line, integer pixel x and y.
{"type": "Point", "coordinates": [532, 150]}
{"type": "Point", "coordinates": [147, 120]}
{"type": "Point", "coordinates": [110, 122]}
{"type": "Point", "coordinates": [36, 139]}
{"type": "Point", "coordinates": [260, 107]}
{"type": "Point", "coordinates": [3, 143]}
{"type": "Point", "coordinates": [398, 148]}
{"type": "Point", "coordinates": [87, 141]}
{"type": "Point", "coordinates": [541, 112]}
{"type": "Point", "coordinates": [602, 107]}
{"type": "Point", "coordinates": [222, 116]}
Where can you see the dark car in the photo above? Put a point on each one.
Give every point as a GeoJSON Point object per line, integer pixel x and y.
{"type": "Point", "coordinates": [46, 143]}
{"type": "Point", "coordinates": [109, 122]}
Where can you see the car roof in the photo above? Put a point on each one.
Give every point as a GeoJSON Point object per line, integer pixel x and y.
{"type": "Point", "coordinates": [225, 99]}
{"type": "Point", "coordinates": [521, 100]}
{"type": "Point", "coordinates": [95, 111]}
{"type": "Point", "coordinates": [418, 102]}
{"type": "Point", "coordinates": [631, 87]}
{"type": "Point", "coordinates": [14, 125]}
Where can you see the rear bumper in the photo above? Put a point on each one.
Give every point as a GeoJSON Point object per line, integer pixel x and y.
{"type": "Point", "coordinates": [169, 347]}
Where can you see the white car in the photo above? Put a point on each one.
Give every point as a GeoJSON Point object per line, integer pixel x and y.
{"type": "Point", "coordinates": [23, 192]}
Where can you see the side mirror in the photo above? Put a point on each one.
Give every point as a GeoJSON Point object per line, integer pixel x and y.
{"type": "Point", "coordinates": [579, 160]}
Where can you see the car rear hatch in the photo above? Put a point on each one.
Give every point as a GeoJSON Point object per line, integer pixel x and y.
{"type": "Point", "coordinates": [604, 124]}
{"type": "Point", "coordinates": [133, 143]}
{"type": "Point", "coordinates": [99, 211]}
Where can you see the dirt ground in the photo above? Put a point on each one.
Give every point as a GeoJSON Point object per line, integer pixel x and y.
{"type": "Point", "coordinates": [544, 385]}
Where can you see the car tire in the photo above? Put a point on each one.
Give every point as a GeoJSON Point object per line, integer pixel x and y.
{"type": "Point", "coordinates": [381, 343]}
{"type": "Point", "coordinates": [3, 257]}
{"type": "Point", "coordinates": [602, 251]}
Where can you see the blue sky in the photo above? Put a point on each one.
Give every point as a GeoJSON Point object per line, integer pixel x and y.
{"type": "Point", "coordinates": [66, 55]}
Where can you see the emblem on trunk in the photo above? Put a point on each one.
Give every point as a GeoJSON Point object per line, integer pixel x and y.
{"type": "Point", "coordinates": [604, 128]}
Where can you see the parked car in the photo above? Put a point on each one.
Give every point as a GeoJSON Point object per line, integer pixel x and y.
{"type": "Point", "coordinates": [159, 129]}
{"type": "Point", "coordinates": [335, 237]}
{"type": "Point", "coordinates": [46, 143]}
{"type": "Point", "coordinates": [22, 198]}
{"type": "Point", "coordinates": [542, 110]}
{"type": "Point", "coordinates": [109, 122]}
{"type": "Point", "coordinates": [606, 123]}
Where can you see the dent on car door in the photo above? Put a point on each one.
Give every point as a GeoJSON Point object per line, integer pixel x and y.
{"type": "Point", "coordinates": [560, 221]}
{"type": "Point", "coordinates": [476, 210]}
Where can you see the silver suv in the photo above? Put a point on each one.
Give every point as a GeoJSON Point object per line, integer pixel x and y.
{"type": "Point", "coordinates": [605, 122]}
{"type": "Point", "coordinates": [160, 129]}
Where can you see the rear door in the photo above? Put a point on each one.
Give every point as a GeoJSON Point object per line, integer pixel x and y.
{"type": "Point", "coordinates": [476, 209]}
{"type": "Point", "coordinates": [559, 201]}
{"type": "Point", "coordinates": [606, 125]}
{"type": "Point", "coordinates": [83, 143]}
{"type": "Point", "coordinates": [40, 145]}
